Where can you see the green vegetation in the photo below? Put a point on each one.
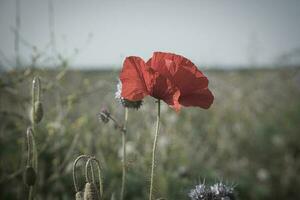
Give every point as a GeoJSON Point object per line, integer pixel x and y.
{"type": "Point", "coordinates": [249, 137]}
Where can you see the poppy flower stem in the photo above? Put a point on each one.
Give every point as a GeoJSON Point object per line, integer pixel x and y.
{"type": "Point", "coordinates": [124, 130]}
{"type": "Point", "coordinates": [154, 149]}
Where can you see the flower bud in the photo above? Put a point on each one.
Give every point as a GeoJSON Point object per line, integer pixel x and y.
{"type": "Point", "coordinates": [79, 195]}
{"type": "Point", "coordinates": [37, 116]}
{"type": "Point", "coordinates": [29, 176]}
{"type": "Point", "coordinates": [90, 192]}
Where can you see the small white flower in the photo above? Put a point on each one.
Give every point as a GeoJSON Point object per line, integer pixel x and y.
{"type": "Point", "coordinates": [119, 90]}
{"type": "Point", "coordinates": [218, 191]}
{"type": "Point", "coordinates": [201, 192]}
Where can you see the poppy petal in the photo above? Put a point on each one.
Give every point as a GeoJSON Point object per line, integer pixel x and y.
{"type": "Point", "coordinates": [180, 70]}
{"type": "Point", "coordinates": [164, 89]}
{"type": "Point", "coordinates": [133, 77]}
{"type": "Point", "coordinates": [203, 98]}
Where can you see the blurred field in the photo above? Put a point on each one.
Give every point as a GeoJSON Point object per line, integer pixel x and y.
{"type": "Point", "coordinates": [249, 137]}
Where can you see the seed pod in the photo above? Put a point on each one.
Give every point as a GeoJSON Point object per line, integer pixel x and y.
{"type": "Point", "coordinates": [79, 196]}
{"type": "Point", "coordinates": [131, 104]}
{"type": "Point", "coordinates": [90, 192]}
{"type": "Point", "coordinates": [29, 176]}
{"type": "Point", "coordinates": [38, 112]}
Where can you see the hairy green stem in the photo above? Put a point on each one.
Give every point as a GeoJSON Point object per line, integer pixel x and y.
{"type": "Point", "coordinates": [36, 89]}
{"type": "Point", "coordinates": [74, 170]}
{"type": "Point", "coordinates": [33, 161]}
{"type": "Point", "coordinates": [30, 197]}
{"type": "Point", "coordinates": [35, 97]}
{"type": "Point", "coordinates": [29, 146]}
{"type": "Point", "coordinates": [154, 150]}
{"type": "Point", "coordinates": [124, 154]}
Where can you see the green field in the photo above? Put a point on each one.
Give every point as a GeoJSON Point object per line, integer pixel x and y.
{"type": "Point", "coordinates": [250, 137]}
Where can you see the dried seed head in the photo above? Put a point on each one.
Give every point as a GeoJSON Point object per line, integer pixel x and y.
{"type": "Point", "coordinates": [104, 115]}
{"type": "Point", "coordinates": [29, 176]}
{"type": "Point", "coordinates": [37, 113]}
{"type": "Point", "coordinates": [79, 195]}
{"type": "Point", "coordinates": [90, 192]}
{"type": "Point", "coordinates": [125, 102]}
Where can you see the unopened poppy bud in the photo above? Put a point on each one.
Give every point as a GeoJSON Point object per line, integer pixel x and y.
{"type": "Point", "coordinates": [37, 116]}
{"type": "Point", "coordinates": [90, 192]}
{"type": "Point", "coordinates": [29, 176]}
{"type": "Point", "coordinates": [79, 195]}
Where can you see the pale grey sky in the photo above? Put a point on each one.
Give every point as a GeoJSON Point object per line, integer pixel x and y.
{"type": "Point", "coordinates": [226, 32]}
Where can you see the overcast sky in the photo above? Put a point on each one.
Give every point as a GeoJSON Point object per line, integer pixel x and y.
{"type": "Point", "coordinates": [227, 32]}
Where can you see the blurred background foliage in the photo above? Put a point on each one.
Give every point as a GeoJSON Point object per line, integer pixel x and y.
{"type": "Point", "coordinates": [249, 137]}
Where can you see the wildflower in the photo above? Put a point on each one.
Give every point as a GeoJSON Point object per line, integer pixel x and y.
{"type": "Point", "coordinates": [222, 191]}
{"type": "Point", "coordinates": [201, 192]}
{"type": "Point", "coordinates": [165, 76]}
{"type": "Point", "coordinates": [125, 102]}
{"type": "Point", "coordinates": [218, 191]}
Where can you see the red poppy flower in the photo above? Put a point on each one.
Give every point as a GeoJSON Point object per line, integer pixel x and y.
{"type": "Point", "coordinates": [166, 76]}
